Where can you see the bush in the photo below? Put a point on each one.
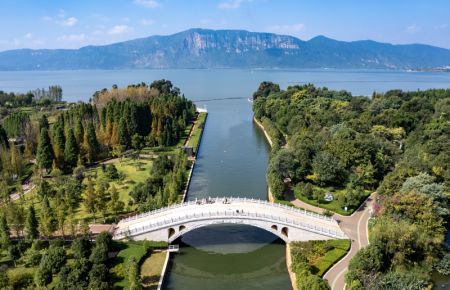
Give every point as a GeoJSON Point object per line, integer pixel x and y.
{"type": "Point", "coordinates": [443, 266]}
{"type": "Point", "coordinates": [111, 172]}
{"type": "Point", "coordinates": [52, 261]}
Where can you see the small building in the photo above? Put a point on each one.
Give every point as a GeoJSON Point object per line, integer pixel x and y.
{"type": "Point", "coordinates": [188, 150]}
{"type": "Point", "coordinates": [328, 196]}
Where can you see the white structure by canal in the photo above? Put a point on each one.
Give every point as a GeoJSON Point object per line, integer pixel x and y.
{"type": "Point", "coordinates": [288, 223]}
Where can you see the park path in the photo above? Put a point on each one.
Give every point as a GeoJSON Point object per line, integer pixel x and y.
{"type": "Point", "coordinates": [355, 227]}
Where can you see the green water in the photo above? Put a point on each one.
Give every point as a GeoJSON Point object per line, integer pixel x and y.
{"type": "Point", "coordinates": [232, 162]}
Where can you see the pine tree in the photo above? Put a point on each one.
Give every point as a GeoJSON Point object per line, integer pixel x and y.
{"type": "Point", "coordinates": [90, 198]}
{"type": "Point", "coordinates": [44, 153]}
{"type": "Point", "coordinates": [90, 143]}
{"type": "Point", "coordinates": [115, 204]}
{"type": "Point", "coordinates": [47, 225]}
{"type": "Point", "coordinates": [79, 131]}
{"type": "Point", "coordinates": [5, 240]}
{"type": "Point", "coordinates": [43, 123]}
{"type": "Point", "coordinates": [71, 150]}
{"type": "Point", "coordinates": [31, 225]}
{"type": "Point", "coordinates": [123, 136]}
{"type": "Point", "coordinates": [59, 141]}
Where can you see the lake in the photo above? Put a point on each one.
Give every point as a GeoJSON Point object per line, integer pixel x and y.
{"type": "Point", "coordinates": [232, 160]}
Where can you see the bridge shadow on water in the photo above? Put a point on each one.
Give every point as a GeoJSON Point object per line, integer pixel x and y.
{"type": "Point", "coordinates": [231, 254]}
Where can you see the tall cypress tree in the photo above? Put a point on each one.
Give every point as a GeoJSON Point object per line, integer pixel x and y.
{"type": "Point", "coordinates": [79, 131]}
{"type": "Point", "coordinates": [43, 123]}
{"type": "Point", "coordinates": [71, 150]}
{"type": "Point", "coordinates": [44, 153]}
{"type": "Point", "coordinates": [123, 135]}
{"type": "Point", "coordinates": [31, 225]}
{"type": "Point", "coordinates": [5, 240]}
{"type": "Point", "coordinates": [59, 141]}
{"type": "Point", "coordinates": [48, 224]}
{"type": "Point", "coordinates": [3, 137]}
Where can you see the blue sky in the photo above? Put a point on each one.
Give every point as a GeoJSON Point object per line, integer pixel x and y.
{"type": "Point", "coordinates": [76, 23]}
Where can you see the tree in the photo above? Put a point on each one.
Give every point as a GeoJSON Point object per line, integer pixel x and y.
{"type": "Point", "coordinates": [90, 198]}
{"type": "Point", "coordinates": [43, 123]}
{"type": "Point", "coordinates": [115, 204]}
{"type": "Point", "coordinates": [14, 253]}
{"type": "Point", "coordinates": [71, 150]}
{"type": "Point", "coordinates": [81, 247]}
{"type": "Point", "coordinates": [328, 169]}
{"type": "Point", "coordinates": [123, 135]}
{"type": "Point", "coordinates": [31, 225]}
{"type": "Point", "coordinates": [4, 280]}
{"type": "Point", "coordinates": [53, 259]}
{"type": "Point", "coordinates": [5, 240]}
{"type": "Point", "coordinates": [44, 153]}
{"type": "Point", "coordinates": [42, 277]}
{"type": "Point", "coordinates": [47, 220]}
{"type": "Point", "coordinates": [99, 254]}
{"type": "Point", "coordinates": [98, 277]}
{"type": "Point", "coordinates": [90, 143]}
{"type": "Point", "coordinates": [443, 266]}
{"type": "Point", "coordinates": [133, 274]}
{"type": "Point", "coordinates": [79, 131]}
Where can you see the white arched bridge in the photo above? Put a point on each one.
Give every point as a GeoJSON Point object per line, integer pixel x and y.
{"type": "Point", "coordinates": [288, 223]}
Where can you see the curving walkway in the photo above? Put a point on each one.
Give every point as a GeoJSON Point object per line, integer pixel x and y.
{"type": "Point", "coordinates": [355, 227]}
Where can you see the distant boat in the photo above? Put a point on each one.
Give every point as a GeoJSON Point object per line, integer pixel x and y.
{"type": "Point", "coordinates": [250, 100]}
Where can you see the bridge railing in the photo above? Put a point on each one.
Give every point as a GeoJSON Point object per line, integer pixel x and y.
{"type": "Point", "coordinates": [229, 200]}
{"type": "Point", "coordinates": [226, 214]}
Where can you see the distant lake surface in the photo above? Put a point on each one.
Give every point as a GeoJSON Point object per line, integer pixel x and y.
{"type": "Point", "coordinates": [232, 160]}
{"type": "Point", "coordinates": [217, 83]}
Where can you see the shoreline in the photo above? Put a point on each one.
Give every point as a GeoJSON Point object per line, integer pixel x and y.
{"type": "Point", "coordinates": [292, 275]}
{"type": "Point", "coordinates": [185, 192]}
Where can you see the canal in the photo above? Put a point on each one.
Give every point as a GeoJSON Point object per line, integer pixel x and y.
{"type": "Point", "coordinates": [232, 162]}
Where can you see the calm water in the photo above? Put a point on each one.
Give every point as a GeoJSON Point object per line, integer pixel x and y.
{"type": "Point", "coordinates": [232, 159]}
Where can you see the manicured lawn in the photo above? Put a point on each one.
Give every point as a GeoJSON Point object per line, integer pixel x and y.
{"type": "Point", "coordinates": [325, 262]}
{"type": "Point", "coordinates": [151, 269]}
{"type": "Point", "coordinates": [329, 205]}
{"type": "Point", "coordinates": [321, 255]}
{"type": "Point", "coordinates": [136, 249]}
{"type": "Point", "coordinates": [197, 131]}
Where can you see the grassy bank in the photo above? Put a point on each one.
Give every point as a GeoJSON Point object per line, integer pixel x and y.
{"type": "Point", "coordinates": [310, 260]}
{"type": "Point", "coordinates": [197, 131]}
{"type": "Point", "coordinates": [151, 270]}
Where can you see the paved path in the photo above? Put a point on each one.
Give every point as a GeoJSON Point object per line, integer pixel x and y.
{"type": "Point", "coordinates": [355, 227]}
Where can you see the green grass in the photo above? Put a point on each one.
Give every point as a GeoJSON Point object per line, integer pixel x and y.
{"type": "Point", "coordinates": [321, 255]}
{"type": "Point", "coordinates": [136, 249]}
{"type": "Point", "coordinates": [133, 172]}
{"type": "Point", "coordinates": [197, 132]}
{"type": "Point", "coordinates": [331, 257]}
{"type": "Point", "coordinates": [329, 205]}
{"type": "Point", "coordinates": [151, 269]}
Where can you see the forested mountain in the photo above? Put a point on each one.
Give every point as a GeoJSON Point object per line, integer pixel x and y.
{"type": "Point", "coordinates": [202, 48]}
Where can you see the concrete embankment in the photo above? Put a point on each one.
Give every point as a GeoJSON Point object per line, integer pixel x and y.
{"type": "Point", "coordinates": [184, 198]}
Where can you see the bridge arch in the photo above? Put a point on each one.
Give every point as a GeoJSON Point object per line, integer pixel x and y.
{"type": "Point", "coordinates": [188, 228]}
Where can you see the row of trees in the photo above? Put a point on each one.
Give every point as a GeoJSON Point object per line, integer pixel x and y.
{"type": "Point", "coordinates": [163, 187]}
{"type": "Point", "coordinates": [14, 100]}
{"type": "Point", "coordinates": [396, 143]}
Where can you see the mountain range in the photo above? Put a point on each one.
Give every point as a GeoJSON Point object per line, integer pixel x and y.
{"type": "Point", "coordinates": [205, 48]}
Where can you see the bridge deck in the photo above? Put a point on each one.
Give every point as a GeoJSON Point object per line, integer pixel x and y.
{"type": "Point", "coordinates": [228, 208]}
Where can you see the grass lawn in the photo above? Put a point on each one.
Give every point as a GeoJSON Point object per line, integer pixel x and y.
{"type": "Point", "coordinates": [321, 255]}
{"type": "Point", "coordinates": [329, 205]}
{"type": "Point", "coordinates": [151, 270]}
{"type": "Point", "coordinates": [133, 172]}
{"type": "Point", "coordinates": [197, 131]}
{"type": "Point", "coordinates": [136, 249]}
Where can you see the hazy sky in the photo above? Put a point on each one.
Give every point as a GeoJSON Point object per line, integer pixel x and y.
{"type": "Point", "coordinates": [76, 23]}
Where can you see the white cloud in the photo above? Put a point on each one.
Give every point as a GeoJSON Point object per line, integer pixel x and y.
{"type": "Point", "coordinates": [147, 3]}
{"type": "Point", "coordinates": [71, 21]}
{"type": "Point", "coordinates": [120, 29]}
{"type": "Point", "coordinates": [61, 19]}
{"type": "Point", "coordinates": [147, 22]}
{"type": "Point", "coordinates": [231, 4]}
{"type": "Point", "coordinates": [78, 38]}
{"type": "Point", "coordinates": [287, 28]}
{"type": "Point", "coordinates": [412, 29]}
{"type": "Point", "coordinates": [28, 35]}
